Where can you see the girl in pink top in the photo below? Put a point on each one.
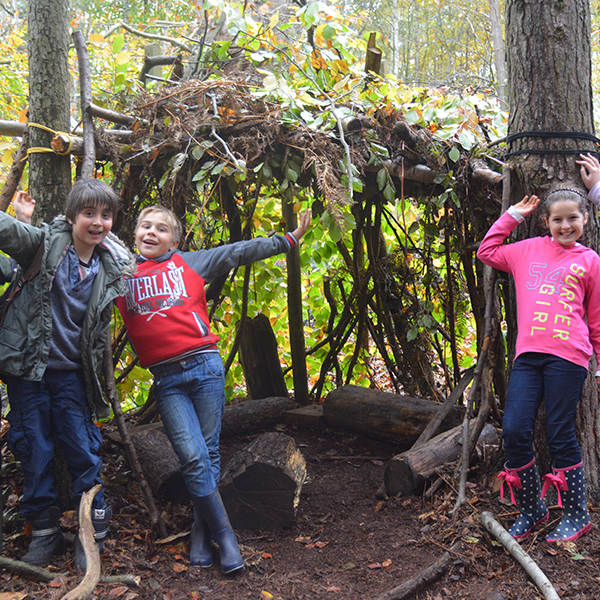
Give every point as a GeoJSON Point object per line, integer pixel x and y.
{"type": "Point", "coordinates": [557, 282]}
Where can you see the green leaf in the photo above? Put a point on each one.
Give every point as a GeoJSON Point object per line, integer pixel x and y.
{"type": "Point", "coordinates": [328, 32]}
{"type": "Point", "coordinates": [389, 193]}
{"type": "Point", "coordinates": [382, 178]}
{"type": "Point", "coordinates": [412, 334]}
{"type": "Point", "coordinates": [454, 154]}
{"type": "Point", "coordinates": [197, 152]}
{"type": "Point", "coordinates": [118, 43]}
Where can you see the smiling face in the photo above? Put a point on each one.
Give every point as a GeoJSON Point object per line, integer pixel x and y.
{"type": "Point", "coordinates": [90, 226]}
{"type": "Point", "coordinates": [154, 235]}
{"type": "Point", "coordinates": [566, 221]}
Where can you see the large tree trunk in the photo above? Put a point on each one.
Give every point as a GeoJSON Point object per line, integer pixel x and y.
{"type": "Point", "coordinates": [49, 85]}
{"type": "Point", "coordinates": [549, 81]}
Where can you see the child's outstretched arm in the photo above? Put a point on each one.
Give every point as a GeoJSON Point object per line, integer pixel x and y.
{"type": "Point", "coordinates": [303, 227]}
{"type": "Point", "coordinates": [590, 170]}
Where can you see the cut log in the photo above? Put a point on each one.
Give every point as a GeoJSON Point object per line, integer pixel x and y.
{"type": "Point", "coordinates": [406, 473]}
{"type": "Point", "coordinates": [159, 462]}
{"type": "Point", "coordinates": [382, 415]}
{"type": "Point", "coordinates": [260, 359]}
{"type": "Point", "coordinates": [261, 485]}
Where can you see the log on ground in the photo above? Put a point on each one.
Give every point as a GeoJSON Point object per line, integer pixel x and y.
{"type": "Point", "coordinates": [382, 415]}
{"type": "Point", "coordinates": [159, 462]}
{"type": "Point", "coordinates": [261, 485]}
{"type": "Point", "coordinates": [407, 473]}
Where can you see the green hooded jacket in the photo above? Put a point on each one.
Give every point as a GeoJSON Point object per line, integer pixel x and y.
{"type": "Point", "coordinates": [27, 329]}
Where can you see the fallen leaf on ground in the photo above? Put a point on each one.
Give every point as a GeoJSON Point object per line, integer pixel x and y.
{"type": "Point", "coordinates": [386, 563]}
{"type": "Point", "coordinates": [179, 568]}
{"type": "Point", "coordinates": [266, 555]}
{"type": "Point", "coordinates": [333, 588]}
{"type": "Point", "coordinates": [12, 595]}
{"type": "Point", "coordinates": [266, 595]}
{"type": "Point", "coordinates": [118, 591]}
{"type": "Point", "coordinates": [375, 565]}
{"type": "Point", "coordinates": [58, 581]}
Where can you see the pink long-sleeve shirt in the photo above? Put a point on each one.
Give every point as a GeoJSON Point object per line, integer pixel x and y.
{"type": "Point", "coordinates": [555, 286]}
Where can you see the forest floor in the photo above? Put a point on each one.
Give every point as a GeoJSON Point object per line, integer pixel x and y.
{"type": "Point", "coordinates": [345, 544]}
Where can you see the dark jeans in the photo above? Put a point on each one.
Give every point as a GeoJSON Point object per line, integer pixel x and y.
{"type": "Point", "coordinates": [38, 409]}
{"type": "Point", "coordinates": [536, 376]}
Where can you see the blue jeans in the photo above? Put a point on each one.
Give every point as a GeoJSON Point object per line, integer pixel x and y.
{"type": "Point", "coordinates": [38, 409]}
{"type": "Point", "coordinates": [536, 376]}
{"type": "Point", "coordinates": [191, 398]}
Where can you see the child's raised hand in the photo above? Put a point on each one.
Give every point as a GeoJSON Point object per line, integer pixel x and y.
{"type": "Point", "coordinates": [590, 170]}
{"type": "Point", "coordinates": [303, 227]}
{"type": "Point", "coordinates": [23, 204]}
{"type": "Point", "coordinates": [527, 205]}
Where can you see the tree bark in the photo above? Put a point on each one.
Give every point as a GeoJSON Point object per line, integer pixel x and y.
{"type": "Point", "coordinates": [549, 81]}
{"type": "Point", "coordinates": [381, 415]}
{"type": "Point", "coordinates": [407, 473]}
{"type": "Point", "coordinates": [49, 84]}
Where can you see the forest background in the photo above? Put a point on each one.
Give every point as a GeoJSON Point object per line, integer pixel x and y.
{"type": "Point", "coordinates": [438, 72]}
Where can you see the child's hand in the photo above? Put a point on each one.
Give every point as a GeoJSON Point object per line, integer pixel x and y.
{"type": "Point", "coordinates": [527, 205]}
{"type": "Point", "coordinates": [304, 223]}
{"type": "Point", "coordinates": [590, 170]}
{"type": "Point", "coordinates": [23, 204]}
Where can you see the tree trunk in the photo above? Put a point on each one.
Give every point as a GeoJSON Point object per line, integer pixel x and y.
{"type": "Point", "coordinates": [49, 85]}
{"type": "Point", "coordinates": [260, 359]}
{"type": "Point", "coordinates": [381, 415]}
{"type": "Point", "coordinates": [549, 81]}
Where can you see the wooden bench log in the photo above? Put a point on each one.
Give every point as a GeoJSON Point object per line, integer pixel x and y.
{"type": "Point", "coordinates": [406, 473]}
{"type": "Point", "coordinates": [161, 465]}
{"type": "Point", "coordinates": [382, 415]}
{"type": "Point", "coordinates": [261, 485]}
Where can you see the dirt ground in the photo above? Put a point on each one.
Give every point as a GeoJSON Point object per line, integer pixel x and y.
{"type": "Point", "coordinates": [346, 544]}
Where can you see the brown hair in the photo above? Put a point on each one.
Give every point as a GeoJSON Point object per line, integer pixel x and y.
{"type": "Point", "coordinates": [87, 193]}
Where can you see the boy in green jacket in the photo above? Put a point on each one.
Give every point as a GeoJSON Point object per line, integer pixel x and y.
{"type": "Point", "coordinates": [52, 348]}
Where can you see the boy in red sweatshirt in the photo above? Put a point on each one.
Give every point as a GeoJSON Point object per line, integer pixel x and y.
{"type": "Point", "coordinates": [167, 320]}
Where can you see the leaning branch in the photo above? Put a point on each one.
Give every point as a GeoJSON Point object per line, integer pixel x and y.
{"type": "Point", "coordinates": [150, 36]}
{"type": "Point", "coordinates": [531, 568]}
{"type": "Point", "coordinates": [430, 575]}
{"type": "Point", "coordinates": [88, 164]}
{"type": "Point", "coordinates": [15, 173]}
{"type": "Point", "coordinates": [111, 392]}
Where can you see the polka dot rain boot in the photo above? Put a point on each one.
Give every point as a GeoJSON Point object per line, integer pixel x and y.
{"type": "Point", "coordinates": [570, 485]}
{"type": "Point", "coordinates": [527, 484]}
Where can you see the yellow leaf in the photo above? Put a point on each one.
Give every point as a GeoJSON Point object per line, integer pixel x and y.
{"type": "Point", "coordinates": [7, 159]}
{"type": "Point", "coordinates": [122, 58]}
{"type": "Point", "coordinates": [297, 207]}
{"type": "Point", "coordinates": [274, 20]}
{"type": "Point", "coordinates": [96, 37]}
{"type": "Point", "coordinates": [23, 115]}
{"type": "Point", "coordinates": [266, 595]}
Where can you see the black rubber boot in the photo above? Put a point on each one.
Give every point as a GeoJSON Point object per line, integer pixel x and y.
{"type": "Point", "coordinates": [200, 542]}
{"type": "Point", "coordinates": [100, 520]}
{"type": "Point", "coordinates": [212, 510]}
{"type": "Point", "coordinates": [47, 540]}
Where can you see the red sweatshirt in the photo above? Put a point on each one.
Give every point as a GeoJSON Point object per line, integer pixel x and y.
{"type": "Point", "coordinates": [165, 310]}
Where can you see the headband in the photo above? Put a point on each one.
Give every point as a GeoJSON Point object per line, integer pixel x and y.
{"type": "Point", "coordinates": [566, 190]}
